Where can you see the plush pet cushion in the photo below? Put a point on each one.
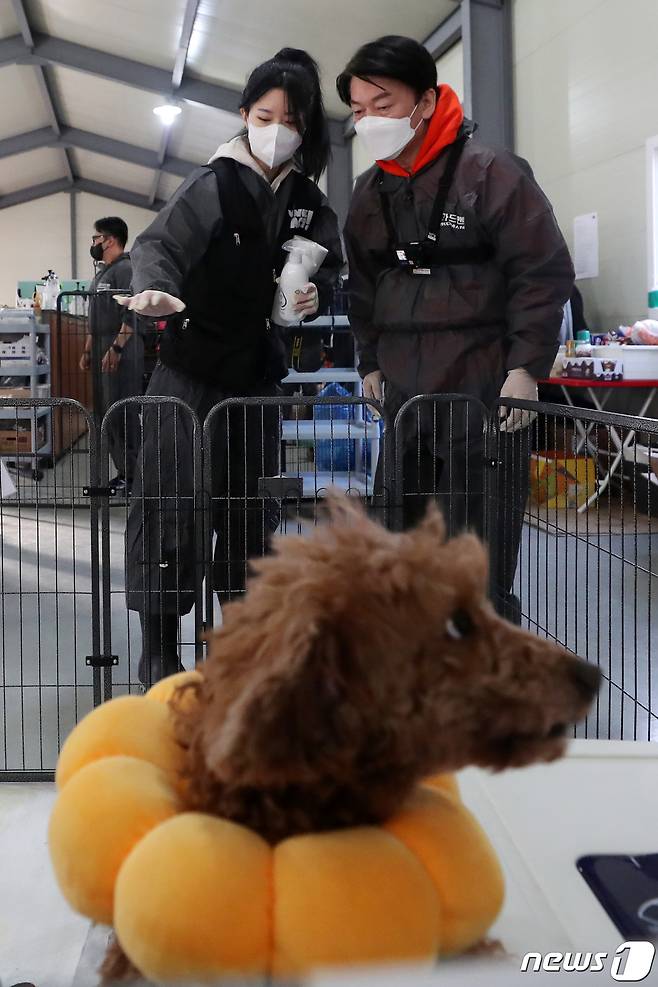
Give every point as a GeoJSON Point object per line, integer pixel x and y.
{"type": "Point", "coordinates": [194, 896]}
{"type": "Point", "coordinates": [454, 850]}
{"type": "Point", "coordinates": [163, 691]}
{"type": "Point", "coordinates": [106, 808]}
{"type": "Point", "coordinates": [193, 900]}
{"type": "Point", "coordinates": [129, 725]}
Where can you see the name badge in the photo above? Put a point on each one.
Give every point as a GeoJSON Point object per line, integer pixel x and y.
{"type": "Point", "coordinates": [421, 270]}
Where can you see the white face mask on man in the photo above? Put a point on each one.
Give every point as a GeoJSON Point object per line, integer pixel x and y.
{"type": "Point", "coordinates": [386, 137]}
{"type": "Point", "coordinates": [273, 144]}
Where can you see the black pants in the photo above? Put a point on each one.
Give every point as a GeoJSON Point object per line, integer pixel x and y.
{"type": "Point", "coordinates": [122, 426]}
{"type": "Point", "coordinates": [478, 489]}
{"type": "Point", "coordinates": [165, 541]}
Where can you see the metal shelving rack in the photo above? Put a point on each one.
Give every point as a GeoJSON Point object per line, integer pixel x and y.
{"type": "Point", "coordinates": [19, 323]}
{"type": "Point", "coordinates": [357, 430]}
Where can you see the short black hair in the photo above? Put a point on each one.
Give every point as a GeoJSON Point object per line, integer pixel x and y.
{"type": "Point", "coordinates": [394, 57]}
{"type": "Point", "coordinates": [294, 71]}
{"type": "Point", "coordinates": [113, 226]}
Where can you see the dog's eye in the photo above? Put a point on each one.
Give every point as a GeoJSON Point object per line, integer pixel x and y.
{"type": "Point", "coordinates": [460, 625]}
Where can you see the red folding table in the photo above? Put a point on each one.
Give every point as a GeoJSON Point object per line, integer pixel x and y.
{"type": "Point", "coordinates": [599, 392]}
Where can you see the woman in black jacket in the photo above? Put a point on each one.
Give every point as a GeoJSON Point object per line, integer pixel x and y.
{"type": "Point", "coordinates": [208, 262]}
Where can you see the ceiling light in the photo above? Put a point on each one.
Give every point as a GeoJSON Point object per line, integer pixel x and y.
{"type": "Point", "coordinates": [167, 113]}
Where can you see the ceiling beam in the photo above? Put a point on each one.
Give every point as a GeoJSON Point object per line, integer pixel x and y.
{"type": "Point", "coordinates": [34, 192]}
{"type": "Point", "coordinates": [70, 137]}
{"type": "Point", "coordinates": [446, 35]}
{"type": "Point", "coordinates": [13, 51]}
{"type": "Point", "coordinates": [31, 141]}
{"type": "Point", "coordinates": [79, 185]}
{"type": "Point", "coordinates": [189, 18]}
{"type": "Point", "coordinates": [184, 44]}
{"type": "Point", "coordinates": [118, 194]}
{"type": "Point", "coordinates": [56, 51]}
{"type": "Point", "coordinates": [41, 73]}
{"type": "Point", "coordinates": [23, 23]}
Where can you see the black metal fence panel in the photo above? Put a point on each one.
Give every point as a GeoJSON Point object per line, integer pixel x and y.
{"type": "Point", "coordinates": [586, 574]}
{"type": "Point", "coordinates": [106, 586]}
{"type": "Point", "coordinates": [49, 585]}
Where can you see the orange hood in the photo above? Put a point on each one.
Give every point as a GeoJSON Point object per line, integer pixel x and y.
{"type": "Point", "coordinates": [442, 131]}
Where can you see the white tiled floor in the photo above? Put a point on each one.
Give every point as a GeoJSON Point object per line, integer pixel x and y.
{"type": "Point", "coordinates": [602, 798]}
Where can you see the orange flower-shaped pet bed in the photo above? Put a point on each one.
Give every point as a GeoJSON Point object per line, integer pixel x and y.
{"type": "Point", "coordinates": [193, 896]}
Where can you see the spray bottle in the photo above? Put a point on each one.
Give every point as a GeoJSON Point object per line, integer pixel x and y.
{"type": "Point", "coordinates": [305, 260]}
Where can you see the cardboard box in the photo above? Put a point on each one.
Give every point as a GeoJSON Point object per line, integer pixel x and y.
{"type": "Point", "coordinates": [40, 391]}
{"type": "Point", "coordinates": [592, 368]}
{"type": "Point", "coordinates": [561, 482]}
{"type": "Point", "coordinates": [14, 440]}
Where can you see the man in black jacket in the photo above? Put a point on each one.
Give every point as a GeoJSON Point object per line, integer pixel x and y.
{"type": "Point", "coordinates": [458, 277]}
{"type": "Point", "coordinates": [120, 345]}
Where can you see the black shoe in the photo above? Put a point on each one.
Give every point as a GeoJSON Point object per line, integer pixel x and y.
{"type": "Point", "coordinates": [118, 483]}
{"type": "Point", "coordinates": [151, 671]}
{"type": "Point", "coordinates": [509, 608]}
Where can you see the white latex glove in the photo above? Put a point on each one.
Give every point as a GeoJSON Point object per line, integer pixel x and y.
{"type": "Point", "coordinates": [372, 385]}
{"type": "Point", "coordinates": [151, 303]}
{"type": "Point", "coordinates": [307, 301]}
{"type": "Point", "coordinates": [519, 386]}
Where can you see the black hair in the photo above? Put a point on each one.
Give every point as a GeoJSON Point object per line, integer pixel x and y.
{"type": "Point", "coordinates": [393, 57]}
{"type": "Point", "coordinates": [297, 74]}
{"type": "Point", "coordinates": [113, 226]}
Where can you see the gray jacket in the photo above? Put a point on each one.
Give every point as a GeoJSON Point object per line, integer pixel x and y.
{"type": "Point", "coordinates": [464, 326]}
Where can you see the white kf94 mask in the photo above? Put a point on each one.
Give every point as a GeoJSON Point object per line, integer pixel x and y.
{"type": "Point", "coordinates": [385, 137]}
{"type": "Point", "coordinates": [273, 144]}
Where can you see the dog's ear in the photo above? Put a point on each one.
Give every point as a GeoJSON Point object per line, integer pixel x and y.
{"type": "Point", "coordinates": [433, 525]}
{"type": "Point", "coordinates": [283, 725]}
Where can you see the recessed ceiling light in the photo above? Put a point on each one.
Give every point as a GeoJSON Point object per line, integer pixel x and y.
{"type": "Point", "coordinates": [167, 113]}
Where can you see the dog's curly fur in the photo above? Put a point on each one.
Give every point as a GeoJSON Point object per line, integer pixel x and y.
{"type": "Point", "coordinates": [359, 662]}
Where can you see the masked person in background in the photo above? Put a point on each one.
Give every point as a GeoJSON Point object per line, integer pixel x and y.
{"type": "Point", "coordinates": [209, 262]}
{"type": "Point", "coordinates": [120, 346]}
{"type": "Point", "coordinates": [458, 276]}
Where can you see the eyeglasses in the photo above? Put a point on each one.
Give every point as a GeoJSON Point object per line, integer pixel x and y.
{"type": "Point", "coordinates": [97, 236]}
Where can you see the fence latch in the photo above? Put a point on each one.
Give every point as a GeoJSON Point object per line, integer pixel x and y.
{"type": "Point", "coordinates": [99, 492]}
{"type": "Point", "coordinates": [281, 487]}
{"type": "Point", "coordinates": [101, 661]}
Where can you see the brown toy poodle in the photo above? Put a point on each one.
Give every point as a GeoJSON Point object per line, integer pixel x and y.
{"type": "Point", "coordinates": [359, 662]}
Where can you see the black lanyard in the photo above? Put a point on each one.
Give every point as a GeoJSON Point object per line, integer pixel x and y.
{"type": "Point", "coordinates": [442, 193]}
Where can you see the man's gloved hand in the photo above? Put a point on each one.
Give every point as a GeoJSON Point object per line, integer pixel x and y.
{"type": "Point", "coordinates": [373, 390]}
{"type": "Point", "coordinates": [151, 303]}
{"type": "Point", "coordinates": [307, 301]}
{"type": "Point", "coordinates": [372, 386]}
{"type": "Point", "coordinates": [519, 386]}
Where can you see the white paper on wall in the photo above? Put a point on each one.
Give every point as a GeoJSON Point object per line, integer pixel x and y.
{"type": "Point", "coordinates": [586, 246]}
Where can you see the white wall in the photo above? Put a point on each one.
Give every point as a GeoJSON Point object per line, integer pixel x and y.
{"type": "Point", "coordinates": [450, 69]}
{"type": "Point", "coordinates": [586, 79]}
{"type": "Point", "coordinates": [35, 236]}
{"type": "Point", "coordinates": [93, 207]}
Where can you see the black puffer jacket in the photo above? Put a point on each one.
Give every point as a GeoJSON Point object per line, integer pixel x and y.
{"type": "Point", "coordinates": [464, 326]}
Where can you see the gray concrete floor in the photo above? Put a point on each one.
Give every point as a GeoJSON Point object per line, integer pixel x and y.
{"type": "Point", "coordinates": [596, 592]}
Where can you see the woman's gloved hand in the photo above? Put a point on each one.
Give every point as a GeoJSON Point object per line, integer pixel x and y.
{"type": "Point", "coordinates": [151, 303]}
{"type": "Point", "coordinates": [306, 301]}
{"type": "Point", "coordinates": [519, 386]}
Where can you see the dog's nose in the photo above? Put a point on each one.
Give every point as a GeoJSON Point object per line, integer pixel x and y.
{"type": "Point", "coordinates": [586, 677]}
